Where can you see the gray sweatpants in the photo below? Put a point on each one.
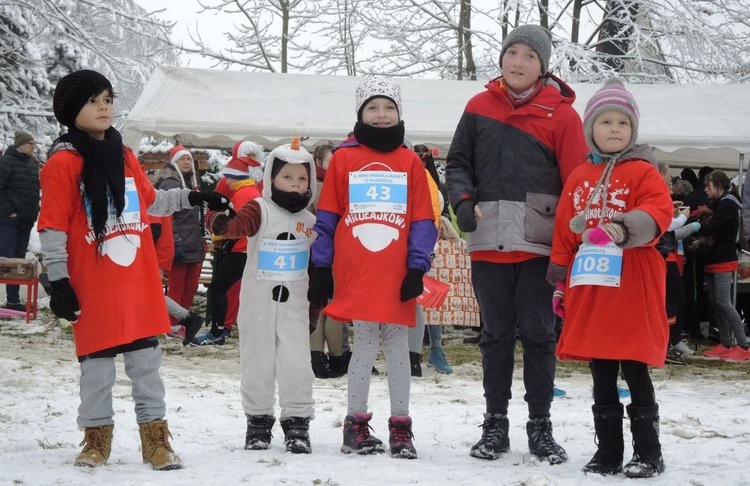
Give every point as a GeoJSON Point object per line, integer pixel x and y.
{"type": "Point", "coordinates": [719, 286]}
{"type": "Point", "coordinates": [367, 337]}
{"type": "Point", "coordinates": [176, 310]}
{"type": "Point", "coordinates": [98, 378]}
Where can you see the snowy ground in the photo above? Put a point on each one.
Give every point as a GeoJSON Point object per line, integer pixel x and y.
{"type": "Point", "coordinates": [704, 420]}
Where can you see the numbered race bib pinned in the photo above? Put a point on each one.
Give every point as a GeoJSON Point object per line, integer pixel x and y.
{"type": "Point", "coordinates": [282, 259]}
{"type": "Point", "coordinates": [377, 192]}
{"type": "Point", "coordinates": [131, 211]}
{"type": "Point", "coordinates": [597, 265]}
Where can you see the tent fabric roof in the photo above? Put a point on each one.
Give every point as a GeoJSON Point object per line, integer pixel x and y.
{"type": "Point", "coordinates": [215, 108]}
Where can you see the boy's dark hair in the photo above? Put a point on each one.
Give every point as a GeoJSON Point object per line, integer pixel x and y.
{"type": "Point", "coordinates": [74, 90]}
{"type": "Point", "coordinates": [278, 164]}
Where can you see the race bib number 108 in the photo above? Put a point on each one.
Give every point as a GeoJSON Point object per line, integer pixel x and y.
{"type": "Point", "coordinates": [597, 265]}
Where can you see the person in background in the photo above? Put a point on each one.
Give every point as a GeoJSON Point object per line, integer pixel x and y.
{"type": "Point", "coordinates": [436, 357]}
{"type": "Point", "coordinates": [697, 308]}
{"type": "Point", "coordinates": [243, 179]}
{"type": "Point", "coordinates": [721, 263]}
{"type": "Point", "coordinates": [102, 264]}
{"type": "Point", "coordinates": [513, 149]}
{"type": "Point", "coordinates": [274, 313]}
{"type": "Point", "coordinates": [189, 322]}
{"type": "Point", "coordinates": [613, 210]}
{"type": "Point", "coordinates": [668, 247]}
{"type": "Point", "coordinates": [328, 331]}
{"type": "Point", "coordinates": [19, 205]}
{"type": "Point", "coordinates": [189, 246]}
{"type": "Point", "coordinates": [680, 190]}
{"type": "Point", "coordinates": [376, 230]}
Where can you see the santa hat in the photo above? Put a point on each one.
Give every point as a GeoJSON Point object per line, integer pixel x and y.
{"type": "Point", "coordinates": [247, 161]}
{"type": "Point", "coordinates": [176, 152]}
{"type": "Point", "coordinates": [251, 149]}
{"type": "Point", "coordinates": [174, 155]}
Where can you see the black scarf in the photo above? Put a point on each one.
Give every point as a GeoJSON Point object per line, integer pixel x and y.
{"type": "Point", "coordinates": [294, 202]}
{"type": "Point", "coordinates": [381, 139]}
{"type": "Point", "coordinates": [102, 176]}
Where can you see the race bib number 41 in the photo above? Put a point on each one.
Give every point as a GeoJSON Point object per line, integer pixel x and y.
{"type": "Point", "coordinates": [282, 260]}
{"type": "Point", "coordinates": [597, 265]}
{"type": "Point", "coordinates": [377, 192]}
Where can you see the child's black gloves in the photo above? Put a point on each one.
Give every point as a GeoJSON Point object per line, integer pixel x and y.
{"type": "Point", "coordinates": [412, 285]}
{"type": "Point", "coordinates": [211, 200]}
{"type": "Point", "coordinates": [63, 301]}
{"type": "Point", "coordinates": [467, 220]}
{"type": "Point", "coordinates": [321, 286]}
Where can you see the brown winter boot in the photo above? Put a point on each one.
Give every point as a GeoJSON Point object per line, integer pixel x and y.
{"type": "Point", "coordinates": [155, 446]}
{"type": "Point", "coordinates": [97, 444]}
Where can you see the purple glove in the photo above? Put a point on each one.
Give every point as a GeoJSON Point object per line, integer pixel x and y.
{"type": "Point", "coordinates": [557, 300]}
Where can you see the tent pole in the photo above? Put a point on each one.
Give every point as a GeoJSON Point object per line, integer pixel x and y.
{"type": "Point", "coordinates": [740, 185]}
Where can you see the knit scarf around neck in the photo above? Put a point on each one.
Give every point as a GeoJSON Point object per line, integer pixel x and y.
{"type": "Point", "coordinates": [518, 99]}
{"type": "Point", "coordinates": [102, 176]}
{"type": "Point", "coordinates": [381, 139]}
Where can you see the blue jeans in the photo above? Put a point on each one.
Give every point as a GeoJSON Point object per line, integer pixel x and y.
{"type": "Point", "coordinates": [14, 241]}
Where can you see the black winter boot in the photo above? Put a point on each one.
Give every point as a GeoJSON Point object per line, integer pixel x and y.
{"type": "Point", "coordinates": [541, 442]}
{"type": "Point", "coordinates": [319, 362]}
{"type": "Point", "coordinates": [607, 460]}
{"type": "Point", "coordinates": [297, 434]}
{"type": "Point", "coordinates": [647, 459]}
{"type": "Point", "coordinates": [494, 439]}
{"type": "Point", "coordinates": [338, 365]}
{"type": "Point", "coordinates": [416, 364]}
{"type": "Point", "coordinates": [259, 435]}
{"type": "Point", "coordinates": [193, 323]}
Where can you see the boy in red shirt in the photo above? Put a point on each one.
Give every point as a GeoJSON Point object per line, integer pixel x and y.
{"type": "Point", "coordinates": [102, 264]}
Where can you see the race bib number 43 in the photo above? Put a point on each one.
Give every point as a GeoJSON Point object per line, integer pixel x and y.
{"type": "Point", "coordinates": [377, 192]}
{"type": "Point", "coordinates": [597, 265]}
{"type": "Point", "coordinates": [282, 260]}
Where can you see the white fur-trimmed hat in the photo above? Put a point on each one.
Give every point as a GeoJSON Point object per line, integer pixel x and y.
{"type": "Point", "coordinates": [378, 88]}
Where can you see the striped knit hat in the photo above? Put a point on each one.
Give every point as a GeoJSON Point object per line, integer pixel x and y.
{"type": "Point", "coordinates": [612, 96]}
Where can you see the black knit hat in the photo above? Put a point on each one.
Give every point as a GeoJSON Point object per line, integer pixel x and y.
{"type": "Point", "coordinates": [73, 91]}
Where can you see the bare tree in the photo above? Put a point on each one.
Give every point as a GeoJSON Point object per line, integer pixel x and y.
{"type": "Point", "coordinates": [266, 34]}
{"type": "Point", "coordinates": [430, 37]}
{"type": "Point", "coordinates": [42, 40]}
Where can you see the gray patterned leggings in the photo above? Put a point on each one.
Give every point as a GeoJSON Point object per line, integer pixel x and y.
{"type": "Point", "coordinates": [367, 338]}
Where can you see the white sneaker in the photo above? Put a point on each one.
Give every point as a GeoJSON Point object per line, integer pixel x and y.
{"type": "Point", "coordinates": [683, 348]}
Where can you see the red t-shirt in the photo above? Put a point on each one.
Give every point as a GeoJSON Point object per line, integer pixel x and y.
{"type": "Point", "coordinates": [119, 291]}
{"type": "Point", "coordinates": [165, 244]}
{"type": "Point", "coordinates": [370, 249]}
{"type": "Point", "coordinates": [620, 323]}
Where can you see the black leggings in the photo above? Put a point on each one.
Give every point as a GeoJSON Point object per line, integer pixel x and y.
{"type": "Point", "coordinates": [229, 272]}
{"type": "Point", "coordinates": [604, 372]}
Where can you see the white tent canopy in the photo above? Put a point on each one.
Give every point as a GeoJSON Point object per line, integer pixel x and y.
{"type": "Point", "coordinates": [689, 125]}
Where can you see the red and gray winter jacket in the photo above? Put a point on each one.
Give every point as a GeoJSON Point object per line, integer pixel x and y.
{"type": "Point", "coordinates": [513, 162]}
